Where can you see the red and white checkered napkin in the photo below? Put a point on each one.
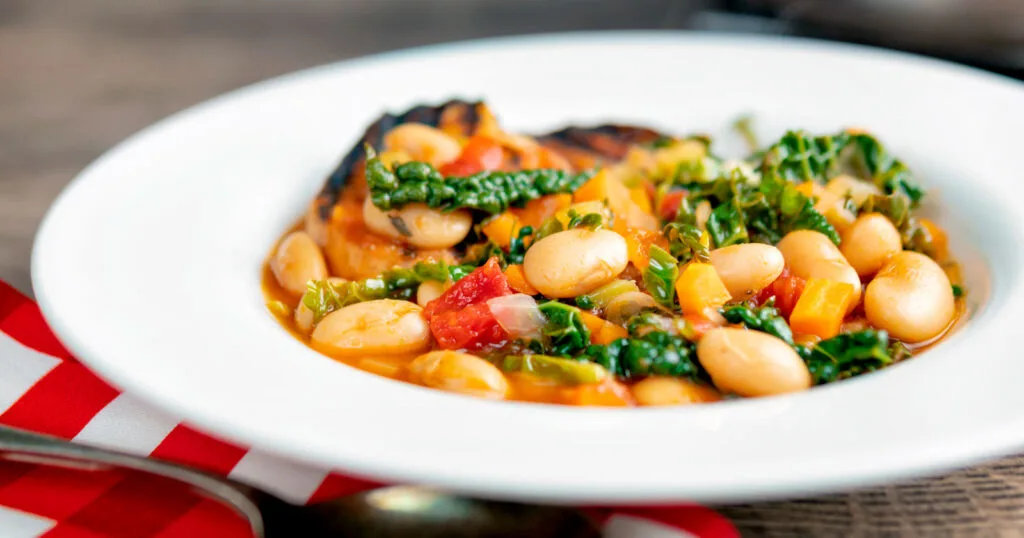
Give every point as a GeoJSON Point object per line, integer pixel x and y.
{"type": "Point", "coordinates": [44, 389]}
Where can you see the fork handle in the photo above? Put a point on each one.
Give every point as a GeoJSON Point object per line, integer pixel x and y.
{"type": "Point", "coordinates": [30, 447]}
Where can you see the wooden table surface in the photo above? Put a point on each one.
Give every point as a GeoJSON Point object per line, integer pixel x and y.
{"type": "Point", "coordinates": [77, 76]}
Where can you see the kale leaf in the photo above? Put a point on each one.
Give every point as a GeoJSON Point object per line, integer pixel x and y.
{"type": "Point", "coordinates": [764, 318]}
{"type": "Point", "coordinates": [654, 353]}
{"type": "Point", "coordinates": [847, 355]}
{"type": "Point", "coordinates": [660, 276]}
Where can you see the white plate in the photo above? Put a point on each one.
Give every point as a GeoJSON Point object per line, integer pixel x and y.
{"type": "Point", "coordinates": [148, 267]}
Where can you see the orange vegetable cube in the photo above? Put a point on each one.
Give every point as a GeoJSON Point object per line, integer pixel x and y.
{"type": "Point", "coordinates": [608, 393]}
{"type": "Point", "coordinates": [537, 211]}
{"type": "Point", "coordinates": [639, 197]}
{"type": "Point", "coordinates": [821, 307]}
{"type": "Point", "coordinates": [593, 323]}
{"type": "Point", "coordinates": [608, 333]}
{"type": "Point", "coordinates": [638, 244]}
{"type": "Point", "coordinates": [517, 280]}
{"type": "Point", "coordinates": [502, 229]}
{"type": "Point", "coordinates": [699, 288]}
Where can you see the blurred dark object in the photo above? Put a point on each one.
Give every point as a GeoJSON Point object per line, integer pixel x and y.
{"type": "Point", "coordinates": [986, 33]}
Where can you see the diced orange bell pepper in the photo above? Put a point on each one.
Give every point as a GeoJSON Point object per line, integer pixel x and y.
{"type": "Point", "coordinates": [517, 280]}
{"type": "Point", "coordinates": [699, 288]}
{"type": "Point", "coordinates": [602, 331]}
{"type": "Point", "coordinates": [821, 307]}
{"type": "Point", "coordinates": [608, 333]}
{"type": "Point", "coordinates": [639, 197]}
{"type": "Point", "coordinates": [609, 393]}
{"type": "Point", "coordinates": [537, 211]}
{"type": "Point", "coordinates": [592, 322]}
{"type": "Point", "coordinates": [501, 229]}
{"type": "Point", "coordinates": [603, 186]}
{"type": "Point", "coordinates": [638, 244]}
{"type": "Point", "coordinates": [810, 189]}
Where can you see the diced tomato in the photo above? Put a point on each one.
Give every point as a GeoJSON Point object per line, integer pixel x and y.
{"type": "Point", "coordinates": [460, 318]}
{"type": "Point", "coordinates": [786, 289]}
{"type": "Point", "coordinates": [481, 153]}
{"type": "Point", "coordinates": [670, 205]}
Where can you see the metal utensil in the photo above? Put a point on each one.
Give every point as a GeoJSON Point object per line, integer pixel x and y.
{"type": "Point", "coordinates": [385, 513]}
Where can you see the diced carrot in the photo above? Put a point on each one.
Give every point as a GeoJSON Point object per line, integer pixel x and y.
{"type": "Point", "coordinates": [593, 323]}
{"type": "Point", "coordinates": [517, 280]}
{"type": "Point", "coordinates": [608, 333]}
{"type": "Point", "coordinates": [821, 307]}
{"type": "Point", "coordinates": [539, 210]}
{"type": "Point", "coordinates": [640, 198]}
{"type": "Point", "coordinates": [940, 241]}
{"type": "Point", "coordinates": [699, 288]}
{"type": "Point", "coordinates": [638, 244]}
{"type": "Point", "coordinates": [603, 186]}
{"type": "Point", "coordinates": [609, 393]}
{"type": "Point", "coordinates": [502, 228]}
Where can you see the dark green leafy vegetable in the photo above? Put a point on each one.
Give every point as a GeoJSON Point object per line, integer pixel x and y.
{"type": "Point", "coordinates": [684, 242]}
{"type": "Point", "coordinates": [323, 297]}
{"type": "Point", "coordinates": [888, 172]}
{"type": "Point", "coordinates": [590, 221]}
{"type": "Point", "coordinates": [764, 318]}
{"type": "Point", "coordinates": [847, 355]}
{"type": "Point", "coordinates": [564, 334]}
{"type": "Point", "coordinates": [654, 353]}
{"type": "Point", "coordinates": [660, 276]}
{"type": "Point", "coordinates": [569, 371]}
{"type": "Point", "coordinates": [727, 225]}
{"type": "Point", "coordinates": [489, 192]}
{"type": "Point", "coordinates": [958, 291]}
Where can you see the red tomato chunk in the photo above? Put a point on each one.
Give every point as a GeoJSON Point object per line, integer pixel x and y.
{"type": "Point", "coordinates": [460, 318]}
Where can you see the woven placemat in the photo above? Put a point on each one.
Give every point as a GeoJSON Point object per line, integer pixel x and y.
{"type": "Point", "coordinates": [987, 500]}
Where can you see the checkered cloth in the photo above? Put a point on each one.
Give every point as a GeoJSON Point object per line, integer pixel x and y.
{"type": "Point", "coordinates": [44, 389]}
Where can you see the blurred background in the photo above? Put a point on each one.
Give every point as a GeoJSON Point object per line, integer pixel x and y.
{"type": "Point", "coordinates": [77, 76]}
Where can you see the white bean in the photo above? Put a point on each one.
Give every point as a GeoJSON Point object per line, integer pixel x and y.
{"type": "Point", "coordinates": [869, 242]}
{"type": "Point", "coordinates": [296, 261]}
{"type": "Point", "coordinates": [419, 225]}
{"type": "Point", "coordinates": [459, 372]}
{"type": "Point", "coordinates": [380, 327]}
{"type": "Point", "coordinates": [747, 268]}
{"type": "Point", "coordinates": [911, 298]}
{"type": "Point", "coordinates": [672, 391]}
{"type": "Point", "coordinates": [574, 262]}
{"type": "Point", "coordinates": [811, 254]}
{"type": "Point", "coordinates": [423, 143]}
{"type": "Point", "coordinates": [752, 363]}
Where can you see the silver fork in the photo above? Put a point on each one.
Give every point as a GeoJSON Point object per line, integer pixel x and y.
{"type": "Point", "coordinates": [391, 512]}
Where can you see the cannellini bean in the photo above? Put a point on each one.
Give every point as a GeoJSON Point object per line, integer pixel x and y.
{"type": "Point", "coordinates": [869, 242]}
{"type": "Point", "coordinates": [428, 291]}
{"type": "Point", "coordinates": [748, 268]}
{"type": "Point", "coordinates": [459, 372]}
{"type": "Point", "coordinates": [574, 262]}
{"type": "Point", "coordinates": [380, 327]}
{"type": "Point", "coordinates": [627, 305]}
{"type": "Point", "coordinates": [296, 261]}
{"type": "Point", "coordinates": [751, 363]}
{"type": "Point", "coordinates": [811, 254]}
{"type": "Point", "coordinates": [911, 298]}
{"type": "Point", "coordinates": [672, 391]}
{"type": "Point", "coordinates": [427, 228]}
{"type": "Point", "coordinates": [423, 143]}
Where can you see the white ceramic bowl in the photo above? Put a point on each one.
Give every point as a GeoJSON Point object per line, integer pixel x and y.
{"type": "Point", "coordinates": [148, 268]}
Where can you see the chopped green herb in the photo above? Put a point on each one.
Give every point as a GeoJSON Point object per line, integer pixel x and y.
{"type": "Point", "coordinates": [489, 192]}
